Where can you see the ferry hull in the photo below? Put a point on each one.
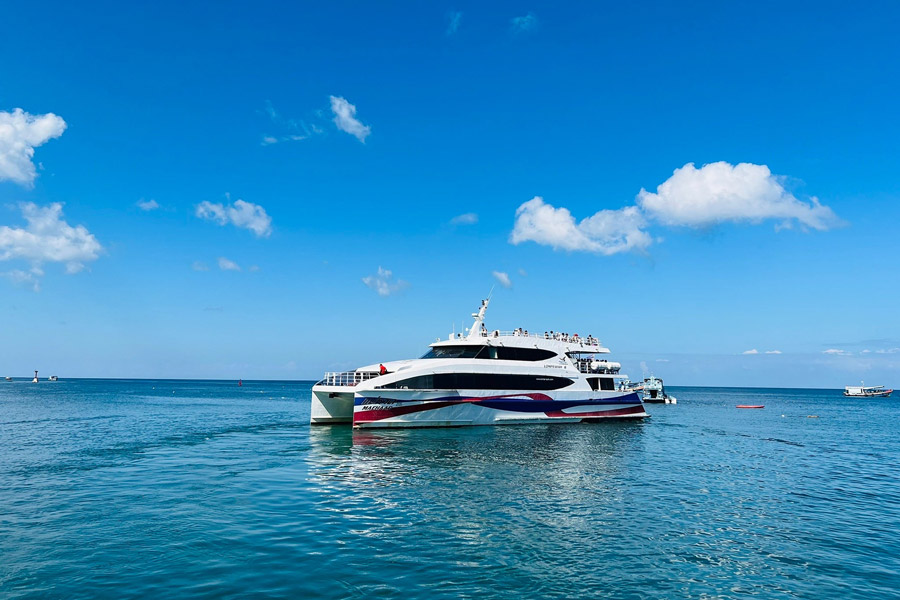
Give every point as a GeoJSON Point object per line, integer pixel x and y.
{"type": "Point", "coordinates": [507, 409]}
{"type": "Point", "coordinates": [331, 406]}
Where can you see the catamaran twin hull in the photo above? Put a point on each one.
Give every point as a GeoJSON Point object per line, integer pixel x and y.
{"type": "Point", "coordinates": [459, 410]}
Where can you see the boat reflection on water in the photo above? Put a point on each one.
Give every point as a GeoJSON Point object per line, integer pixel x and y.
{"type": "Point", "coordinates": [529, 461]}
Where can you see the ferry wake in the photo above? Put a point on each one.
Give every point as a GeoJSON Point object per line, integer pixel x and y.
{"type": "Point", "coordinates": [482, 378]}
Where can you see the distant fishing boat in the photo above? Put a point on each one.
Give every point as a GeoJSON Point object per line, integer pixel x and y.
{"type": "Point", "coordinates": [872, 391]}
{"type": "Point", "coordinates": [9, 378]}
{"type": "Point", "coordinates": [53, 378]}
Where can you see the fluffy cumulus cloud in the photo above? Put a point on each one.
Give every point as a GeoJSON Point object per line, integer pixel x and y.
{"type": "Point", "coordinates": [752, 351]}
{"type": "Point", "coordinates": [464, 219]}
{"type": "Point", "coordinates": [691, 197]}
{"type": "Point", "coordinates": [721, 192]}
{"type": "Point", "coordinates": [606, 232]}
{"type": "Point", "coordinates": [228, 265]}
{"type": "Point", "coordinates": [345, 119]}
{"type": "Point", "coordinates": [20, 134]}
{"type": "Point", "coordinates": [383, 283]}
{"type": "Point", "coordinates": [524, 24]}
{"type": "Point", "coordinates": [46, 237]}
{"type": "Point", "coordinates": [240, 214]}
{"type": "Point", "coordinates": [502, 278]}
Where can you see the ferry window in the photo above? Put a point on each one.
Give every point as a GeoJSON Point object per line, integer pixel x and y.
{"type": "Point", "coordinates": [422, 382]}
{"type": "Point", "coordinates": [601, 383]}
{"type": "Point", "coordinates": [498, 381]}
{"type": "Point", "coordinates": [479, 381]}
{"type": "Point", "coordinates": [457, 352]}
{"type": "Point", "coordinates": [476, 381]}
{"type": "Point", "coordinates": [530, 354]}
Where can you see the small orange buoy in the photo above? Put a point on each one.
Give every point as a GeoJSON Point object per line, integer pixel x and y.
{"type": "Point", "coordinates": [750, 406]}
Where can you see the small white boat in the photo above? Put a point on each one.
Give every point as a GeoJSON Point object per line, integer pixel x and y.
{"type": "Point", "coordinates": [872, 391]}
{"type": "Point", "coordinates": [53, 378]}
{"type": "Point", "coordinates": [9, 378]}
{"type": "Point", "coordinates": [655, 392]}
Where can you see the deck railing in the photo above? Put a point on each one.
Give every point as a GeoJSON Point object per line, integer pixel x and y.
{"type": "Point", "coordinates": [347, 378]}
{"type": "Point", "coordinates": [586, 340]}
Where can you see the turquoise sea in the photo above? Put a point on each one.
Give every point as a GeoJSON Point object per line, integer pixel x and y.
{"type": "Point", "coordinates": [203, 489]}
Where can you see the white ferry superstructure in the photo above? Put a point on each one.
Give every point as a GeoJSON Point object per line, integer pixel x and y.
{"type": "Point", "coordinates": [482, 378]}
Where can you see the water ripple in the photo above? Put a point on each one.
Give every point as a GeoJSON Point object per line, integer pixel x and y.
{"type": "Point", "coordinates": [203, 489]}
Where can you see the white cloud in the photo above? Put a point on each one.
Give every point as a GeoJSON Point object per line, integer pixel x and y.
{"type": "Point", "coordinates": [345, 119]}
{"type": "Point", "coordinates": [773, 351]}
{"type": "Point", "coordinates": [720, 192]}
{"type": "Point", "coordinates": [502, 278]}
{"type": "Point", "coordinates": [382, 283]}
{"type": "Point", "coordinates": [662, 360]}
{"type": "Point", "coordinates": [48, 238]}
{"type": "Point", "coordinates": [228, 265]}
{"type": "Point", "coordinates": [691, 197]}
{"type": "Point", "coordinates": [200, 266]}
{"type": "Point", "coordinates": [240, 214]}
{"type": "Point", "coordinates": [523, 272]}
{"type": "Point", "coordinates": [20, 134]}
{"type": "Point", "coordinates": [753, 351]}
{"type": "Point", "coordinates": [606, 232]}
{"type": "Point", "coordinates": [464, 219]}
{"type": "Point", "coordinates": [888, 351]}
{"type": "Point", "coordinates": [292, 130]}
{"type": "Point", "coordinates": [147, 205]}
{"type": "Point", "coordinates": [523, 24]}
{"type": "Point", "coordinates": [19, 277]}
{"type": "Point", "coordinates": [836, 352]}
{"type": "Point", "coordinates": [454, 21]}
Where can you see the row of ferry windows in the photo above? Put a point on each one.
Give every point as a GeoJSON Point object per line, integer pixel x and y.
{"type": "Point", "coordinates": [489, 352]}
{"type": "Point", "coordinates": [480, 381]}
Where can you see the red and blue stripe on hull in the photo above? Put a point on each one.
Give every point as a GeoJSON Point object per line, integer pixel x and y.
{"type": "Point", "coordinates": [486, 410]}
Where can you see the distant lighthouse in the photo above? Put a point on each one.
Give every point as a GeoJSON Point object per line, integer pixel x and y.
{"type": "Point", "coordinates": [35, 380]}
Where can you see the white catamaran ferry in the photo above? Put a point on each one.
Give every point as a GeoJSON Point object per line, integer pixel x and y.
{"type": "Point", "coordinates": [482, 378]}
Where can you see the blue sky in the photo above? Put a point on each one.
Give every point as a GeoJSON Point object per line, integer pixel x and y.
{"type": "Point", "coordinates": [188, 191]}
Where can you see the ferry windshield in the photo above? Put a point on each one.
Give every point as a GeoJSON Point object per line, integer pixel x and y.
{"type": "Point", "coordinates": [457, 352]}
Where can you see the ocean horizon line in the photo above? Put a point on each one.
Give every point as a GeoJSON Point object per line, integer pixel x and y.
{"type": "Point", "coordinates": [28, 378]}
